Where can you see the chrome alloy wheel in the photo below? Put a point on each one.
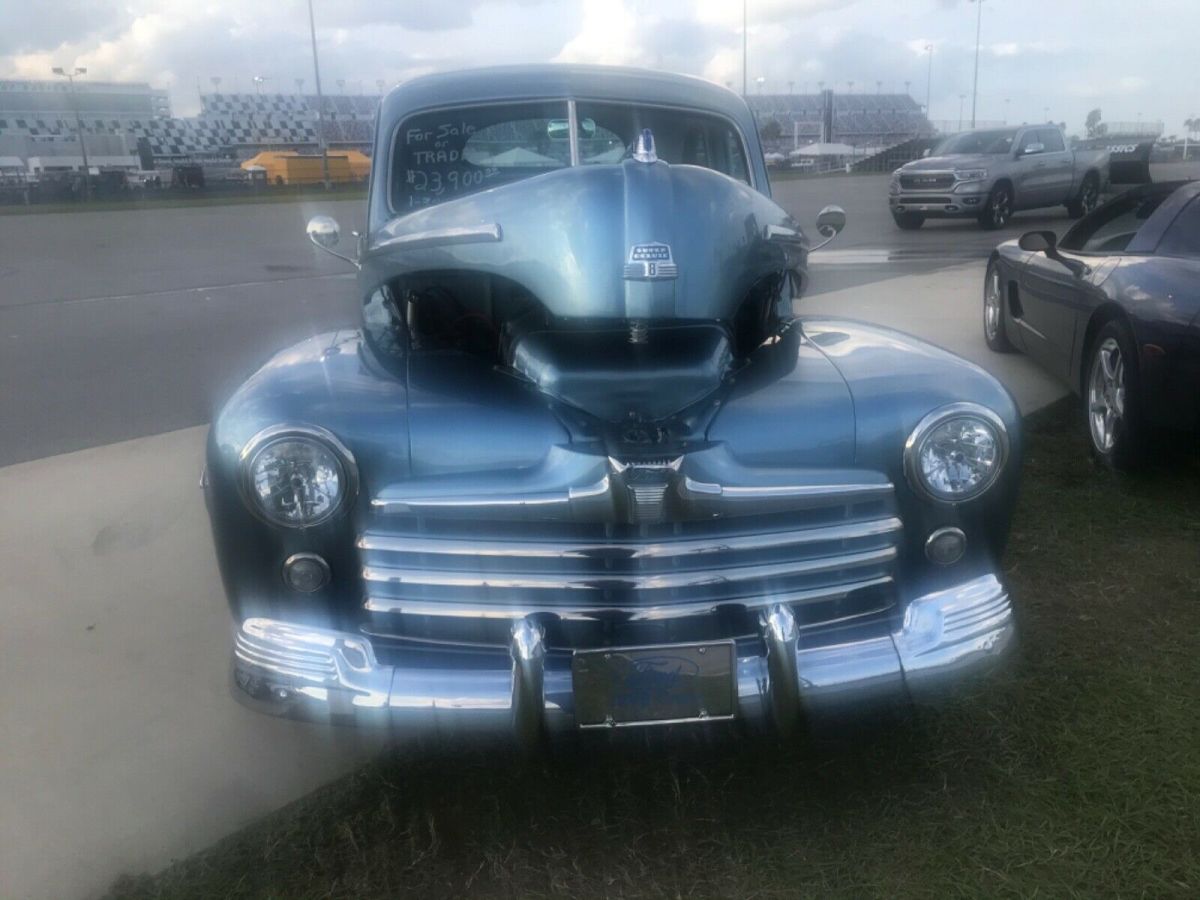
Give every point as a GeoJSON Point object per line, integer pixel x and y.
{"type": "Point", "coordinates": [1106, 394]}
{"type": "Point", "coordinates": [1091, 193]}
{"type": "Point", "coordinates": [991, 306]}
{"type": "Point", "coordinates": [1000, 208]}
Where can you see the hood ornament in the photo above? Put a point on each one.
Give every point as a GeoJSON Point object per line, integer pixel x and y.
{"type": "Point", "coordinates": [645, 152]}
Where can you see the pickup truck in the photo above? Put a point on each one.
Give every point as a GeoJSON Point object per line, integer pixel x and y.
{"type": "Point", "coordinates": [990, 174]}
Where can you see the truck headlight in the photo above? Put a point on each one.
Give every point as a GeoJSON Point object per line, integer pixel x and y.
{"type": "Point", "coordinates": [297, 477]}
{"type": "Point", "coordinates": [956, 452]}
{"type": "Point", "coordinates": [970, 174]}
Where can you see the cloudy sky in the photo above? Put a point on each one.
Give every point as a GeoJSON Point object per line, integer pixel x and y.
{"type": "Point", "coordinates": [1132, 58]}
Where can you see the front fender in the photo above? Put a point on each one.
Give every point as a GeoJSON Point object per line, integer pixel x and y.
{"type": "Point", "coordinates": [895, 381]}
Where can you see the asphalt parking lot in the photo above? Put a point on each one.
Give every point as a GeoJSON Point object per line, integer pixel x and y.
{"type": "Point", "coordinates": [120, 332]}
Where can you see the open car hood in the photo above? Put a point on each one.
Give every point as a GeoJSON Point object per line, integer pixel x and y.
{"type": "Point", "coordinates": [634, 240]}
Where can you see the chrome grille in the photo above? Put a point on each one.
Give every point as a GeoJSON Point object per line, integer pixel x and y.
{"type": "Point", "coordinates": [939, 181]}
{"type": "Point", "coordinates": [449, 579]}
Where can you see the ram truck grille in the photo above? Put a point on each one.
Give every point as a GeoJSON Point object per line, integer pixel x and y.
{"type": "Point", "coordinates": [937, 182]}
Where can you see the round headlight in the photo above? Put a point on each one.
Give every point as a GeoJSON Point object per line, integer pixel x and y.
{"type": "Point", "coordinates": [297, 477]}
{"type": "Point", "coordinates": [956, 452]}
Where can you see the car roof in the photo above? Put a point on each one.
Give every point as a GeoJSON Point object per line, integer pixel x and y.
{"type": "Point", "coordinates": [554, 80]}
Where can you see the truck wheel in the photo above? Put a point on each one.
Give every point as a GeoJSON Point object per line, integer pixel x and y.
{"type": "Point", "coordinates": [908, 221]}
{"type": "Point", "coordinates": [1112, 398]}
{"type": "Point", "coordinates": [993, 311]}
{"type": "Point", "coordinates": [998, 210]}
{"type": "Point", "coordinates": [1085, 201]}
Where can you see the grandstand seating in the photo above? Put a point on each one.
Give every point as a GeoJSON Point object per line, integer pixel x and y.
{"type": "Point", "coordinates": [860, 119]}
{"type": "Point", "coordinates": [243, 123]}
{"type": "Point", "coordinates": [227, 122]}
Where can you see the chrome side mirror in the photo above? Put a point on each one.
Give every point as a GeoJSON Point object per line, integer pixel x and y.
{"type": "Point", "coordinates": [325, 233]}
{"type": "Point", "coordinates": [830, 222]}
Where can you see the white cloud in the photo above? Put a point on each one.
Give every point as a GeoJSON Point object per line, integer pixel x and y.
{"type": "Point", "coordinates": [610, 35]}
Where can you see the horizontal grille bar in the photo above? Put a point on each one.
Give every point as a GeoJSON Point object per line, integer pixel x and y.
{"type": "Point", "coordinates": [626, 549]}
{"type": "Point", "coordinates": [597, 610]}
{"type": "Point", "coordinates": [624, 582]}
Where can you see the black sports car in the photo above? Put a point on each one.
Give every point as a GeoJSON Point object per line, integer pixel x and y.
{"type": "Point", "coordinates": [1113, 309]}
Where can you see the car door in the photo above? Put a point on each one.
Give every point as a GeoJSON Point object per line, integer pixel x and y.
{"type": "Point", "coordinates": [1029, 170]}
{"type": "Point", "coordinates": [1057, 167]}
{"type": "Point", "coordinates": [1053, 299]}
{"type": "Point", "coordinates": [1057, 295]}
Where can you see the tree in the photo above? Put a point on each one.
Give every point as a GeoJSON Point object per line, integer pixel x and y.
{"type": "Point", "coordinates": [1092, 123]}
{"type": "Point", "coordinates": [771, 130]}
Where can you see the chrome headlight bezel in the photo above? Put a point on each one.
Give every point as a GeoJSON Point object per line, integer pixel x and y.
{"type": "Point", "coordinates": [940, 416]}
{"type": "Point", "coordinates": [268, 437]}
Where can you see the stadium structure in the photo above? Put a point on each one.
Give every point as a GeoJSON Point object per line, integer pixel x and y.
{"type": "Point", "coordinates": [858, 120]}
{"type": "Point", "coordinates": [130, 126]}
{"type": "Point", "coordinates": [239, 125]}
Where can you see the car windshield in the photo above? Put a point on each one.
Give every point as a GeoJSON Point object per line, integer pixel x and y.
{"type": "Point", "coordinates": [999, 141]}
{"type": "Point", "coordinates": [450, 153]}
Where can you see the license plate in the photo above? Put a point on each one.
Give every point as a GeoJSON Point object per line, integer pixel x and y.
{"type": "Point", "coordinates": [653, 685]}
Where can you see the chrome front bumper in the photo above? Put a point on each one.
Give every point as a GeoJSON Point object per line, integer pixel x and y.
{"type": "Point", "coordinates": [526, 690]}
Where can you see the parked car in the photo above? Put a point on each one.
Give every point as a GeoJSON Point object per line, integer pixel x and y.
{"type": "Point", "coordinates": [987, 175]}
{"type": "Point", "coordinates": [1113, 309]}
{"type": "Point", "coordinates": [582, 466]}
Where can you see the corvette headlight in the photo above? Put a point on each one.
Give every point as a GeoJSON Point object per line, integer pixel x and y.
{"type": "Point", "coordinates": [956, 452]}
{"type": "Point", "coordinates": [297, 477]}
{"type": "Point", "coordinates": [970, 174]}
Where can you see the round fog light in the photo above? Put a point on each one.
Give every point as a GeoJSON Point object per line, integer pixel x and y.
{"type": "Point", "coordinates": [305, 572]}
{"type": "Point", "coordinates": [946, 546]}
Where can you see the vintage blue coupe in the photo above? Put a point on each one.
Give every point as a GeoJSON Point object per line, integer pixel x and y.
{"type": "Point", "coordinates": [581, 466]}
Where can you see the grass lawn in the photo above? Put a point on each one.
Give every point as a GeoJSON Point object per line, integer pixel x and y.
{"type": "Point", "coordinates": [1075, 774]}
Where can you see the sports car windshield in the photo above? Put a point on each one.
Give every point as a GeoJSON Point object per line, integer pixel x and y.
{"type": "Point", "coordinates": [995, 142]}
{"type": "Point", "coordinates": [451, 153]}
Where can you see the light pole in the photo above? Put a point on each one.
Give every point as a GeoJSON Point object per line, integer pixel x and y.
{"type": "Point", "coordinates": [341, 83]}
{"type": "Point", "coordinates": [850, 87]}
{"type": "Point", "coordinates": [71, 76]}
{"type": "Point", "coordinates": [975, 83]}
{"type": "Point", "coordinates": [1006, 102]}
{"type": "Point", "coordinates": [928, 78]}
{"type": "Point", "coordinates": [879, 87]}
{"type": "Point", "coordinates": [908, 88]}
{"type": "Point", "coordinates": [216, 83]}
{"type": "Point", "coordinates": [745, 52]}
{"type": "Point", "coordinates": [961, 99]}
{"type": "Point", "coordinates": [760, 81]}
{"type": "Point", "coordinates": [791, 87]}
{"type": "Point", "coordinates": [1045, 114]}
{"type": "Point", "coordinates": [258, 83]}
{"type": "Point", "coordinates": [312, 30]}
{"type": "Point", "coordinates": [379, 83]}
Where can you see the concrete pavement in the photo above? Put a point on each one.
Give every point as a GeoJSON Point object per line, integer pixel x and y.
{"type": "Point", "coordinates": [121, 746]}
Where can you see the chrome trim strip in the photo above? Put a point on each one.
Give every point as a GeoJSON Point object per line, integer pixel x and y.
{"type": "Point", "coordinates": [573, 124]}
{"type": "Point", "coordinates": [692, 487]}
{"type": "Point", "coordinates": [498, 501]}
{"type": "Point", "coordinates": [442, 237]}
{"type": "Point", "coordinates": [629, 613]}
{"type": "Point", "coordinates": [666, 549]}
{"type": "Point", "coordinates": [587, 581]}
